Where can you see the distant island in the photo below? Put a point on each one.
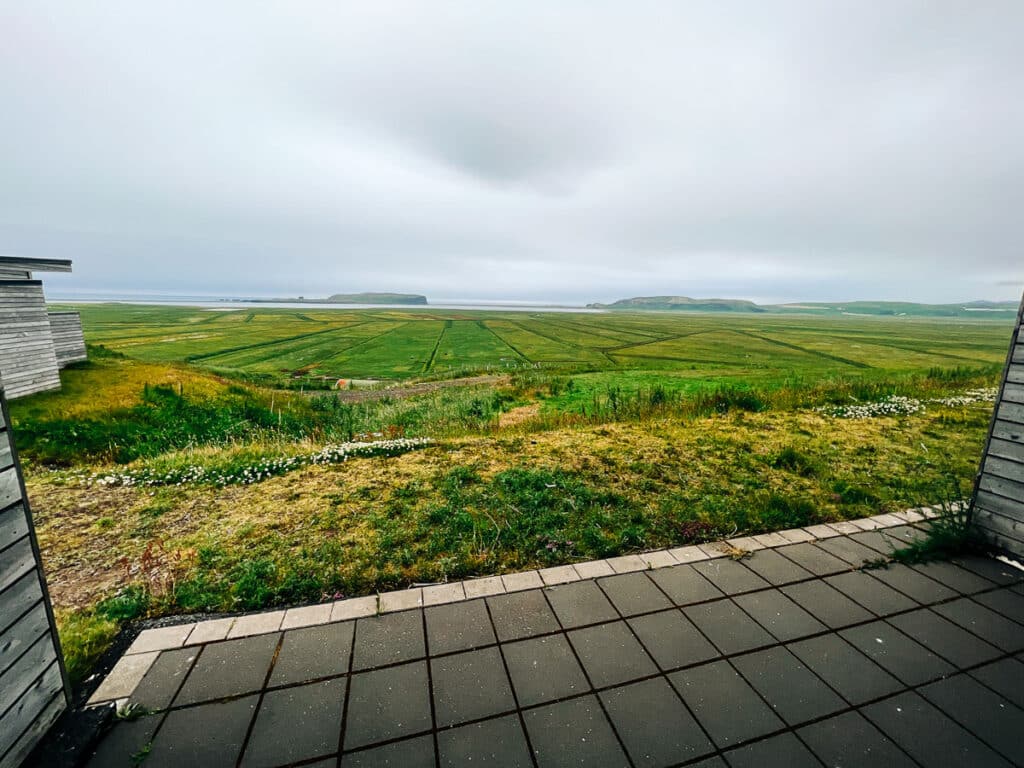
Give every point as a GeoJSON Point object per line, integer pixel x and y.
{"type": "Point", "coordinates": [681, 304]}
{"type": "Point", "coordinates": [349, 298]}
{"type": "Point", "coordinates": [861, 308]}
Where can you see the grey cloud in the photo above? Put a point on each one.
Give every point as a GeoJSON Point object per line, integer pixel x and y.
{"type": "Point", "coordinates": [571, 151]}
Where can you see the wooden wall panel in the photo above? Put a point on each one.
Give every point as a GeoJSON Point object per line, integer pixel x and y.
{"type": "Point", "coordinates": [68, 340]}
{"type": "Point", "coordinates": [28, 361]}
{"type": "Point", "coordinates": [998, 503]}
{"type": "Point", "coordinates": [33, 683]}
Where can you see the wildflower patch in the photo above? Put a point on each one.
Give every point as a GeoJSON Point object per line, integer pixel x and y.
{"type": "Point", "coordinates": [254, 471]}
{"type": "Point", "coordinates": [899, 405]}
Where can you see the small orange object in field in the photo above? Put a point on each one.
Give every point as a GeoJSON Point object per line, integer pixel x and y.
{"type": "Point", "coordinates": [342, 384]}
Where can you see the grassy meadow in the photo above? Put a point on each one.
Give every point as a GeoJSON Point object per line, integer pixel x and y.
{"type": "Point", "coordinates": [193, 464]}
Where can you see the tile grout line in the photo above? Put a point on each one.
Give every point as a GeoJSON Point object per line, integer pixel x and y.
{"type": "Point", "coordinates": [348, 691]}
{"type": "Point", "coordinates": [511, 686]}
{"type": "Point", "coordinates": [430, 685]}
{"type": "Point", "coordinates": [259, 701]}
{"type": "Point", "coordinates": [586, 676]}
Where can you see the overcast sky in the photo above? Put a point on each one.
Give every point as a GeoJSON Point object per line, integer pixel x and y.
{"type": "Point", "coordinates": [573, 151]}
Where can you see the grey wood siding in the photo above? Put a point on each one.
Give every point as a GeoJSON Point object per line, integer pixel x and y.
{"type": "Point", "coordinates": [28, 362]}
{"type": "Point", "coordinates": [33, 683]}
{"type": "Point", "coordinates": [998, 503]}
{"type": "Point", "coordinates": [68, 341]}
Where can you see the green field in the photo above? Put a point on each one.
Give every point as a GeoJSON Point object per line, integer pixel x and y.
{"type": "Point", "coordinates": [290, 346]}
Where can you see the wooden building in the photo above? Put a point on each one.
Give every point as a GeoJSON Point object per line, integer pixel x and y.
{"type": "Point", "coordinates": [34, 344]}
{"type": "Point", "coordinates": [34, 687]}
{"type": "Point", "coordinates": [998, 503]}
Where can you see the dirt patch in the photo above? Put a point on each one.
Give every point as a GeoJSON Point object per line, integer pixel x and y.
{"type": "Point", "coordinates": [409, 390]}
{"type": "Point", "coordinates": [518, 415]}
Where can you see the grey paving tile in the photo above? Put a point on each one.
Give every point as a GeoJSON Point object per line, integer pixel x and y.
{"type": "Point", "coordinates": [953, 576]}
{"type": "Point", "coordinates": [1005, 677]}
{"type": "Point", "coordinates": [879, 598]}
{"type": "Point", "coordinates": [124, 745]}
{"type": "Point", "coordinates": [610, 654]}
{"type": "Point", "coordinates": [470, 686]}
{"type": "Point", "coordinates": [500, 743]}
{"type": "Point", "coordinates": [779, 615]}
{"type": "Point", "coordinates": [387, 704]}
{"type": "Point", "coordinates": [984, 713]}
{"type": "Point", "coordinates": [229, 668]}
{"type": "Point", "coordinates": [654, 724]}
{"type": "Point", "coordinates": [1005, 602]}
{"type": "Point", "coordinates": [458, 627]}
{"type": "Point", "coordinates": [989, 568]}
{"type": "Point", "coordinates": [634, 593]}
{"type": "Point", "coordinates": [157, 688]}
{"type": "Point", "coordinates": [954, 644]}
{"type": "Point", "coordinates": [774, 568]}
{"type": "Point", "coordinates": [852, 552]}
{"type": "Point", "coordinates": [313, 652]}
{"type": "Point", "coordinates": [728, 708]}
{"type": "Point", "coordinates": [728, 627]}
{"type": "Point", "coordinates": [210, 734]}
{"type": "Point", "coordinates": [905, 535]}
{"type": "Point", "coordinates": [850, 741]}
{"type": "Point", "coordinates": [904, 659]}
{"type": "Point", "coordinates": [817, 561]}
{"type": "Point", "coordinates": [521, 614]}
{"type": "Point", "coordinates": [826, 604]}
{"type": "Point", "coordinates": [913, 583]}
{"type": "Point", "coordinates": [684, 585]}
{"type": "Point", "coordinates": [580, 603]}
{"type": "Point", "coordinates": [880, 541]}
{"type": "Point", "coordinates": [573, 733]}
{"type": "Point", "coordinates": [985, 623]}
{"type": "Point", "coordinates": [927, 735]}
{"type": "Point", "coordinates": [782, 751]}
{"type": "Point", "coordinates": [793, 691]}
{"type": "Point", "coordinates": [672, 639]}
{"type": "Point", "coordinates": [388, 639]}
{"type": "Point", "coordinates": [847, 670]}
{"type": "Point", "coordinates": [417, 752]}
{"type": "Point", "coordinates": [711, 762]}
{"type": "Point", "coordinates": [297, 723]}
{"type": "Point", "coordinates": [730, 576]}
{"type": "Point", "coordinates": [543, 669]}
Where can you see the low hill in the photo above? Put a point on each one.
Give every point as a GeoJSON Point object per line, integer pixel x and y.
{"type": "Point", "coordinates": [681, 303]}
{"type": "Point", "coordinates": [990, 309]}
{"type": "Point", "coordinates": [377, 298]}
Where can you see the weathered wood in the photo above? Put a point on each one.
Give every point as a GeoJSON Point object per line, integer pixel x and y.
{"type": "Point", "coordinates": [19, 677]}
{"type": "Point", "coordinates": [22, 748]}
{"type": "Point", "coordinates": [13, 525]}
{"type": "Point", "coordinates": [1006, 430]}
{"type": "Point", "coordinates": [28, 360]}
{"type": "Point", "coordinates": [1007, 449]}
{"type": "Point", "coordinates": [1013, 393]}
{"type": "Point", "coordinates": [998, 501]}
{"type": "Point", "coordinates": [68, 339]}
{"type": "Point", "coordinates": [6, 459]}
{"type": "Point", "coordinates": [34, 687]}
{"type": "Point", "coordinates": [19, 263]}
{"type": "Point", "coordinates": [1011, 412]}
{"type": "Point", "coordinates": [42, 722]}
{"type": "Point", "coordinates": [10, 490]}
{"type": "Point", "coordinates": [22, 635]}
{"type": "Point", "coordinates": [15, 562]}
{"type": "Point", "coordinates": [1008, 469]}
{"type": "Point", "coordinates": [33, 704]}
{"type": "Point", "coordinates": [22, 594]}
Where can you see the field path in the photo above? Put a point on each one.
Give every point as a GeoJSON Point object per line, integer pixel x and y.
{"type": "Point", "coordinates": [409, 390]}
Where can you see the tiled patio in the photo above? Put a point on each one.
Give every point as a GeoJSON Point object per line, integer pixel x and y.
{"type": "Point", "coordinates": [790, 656]}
